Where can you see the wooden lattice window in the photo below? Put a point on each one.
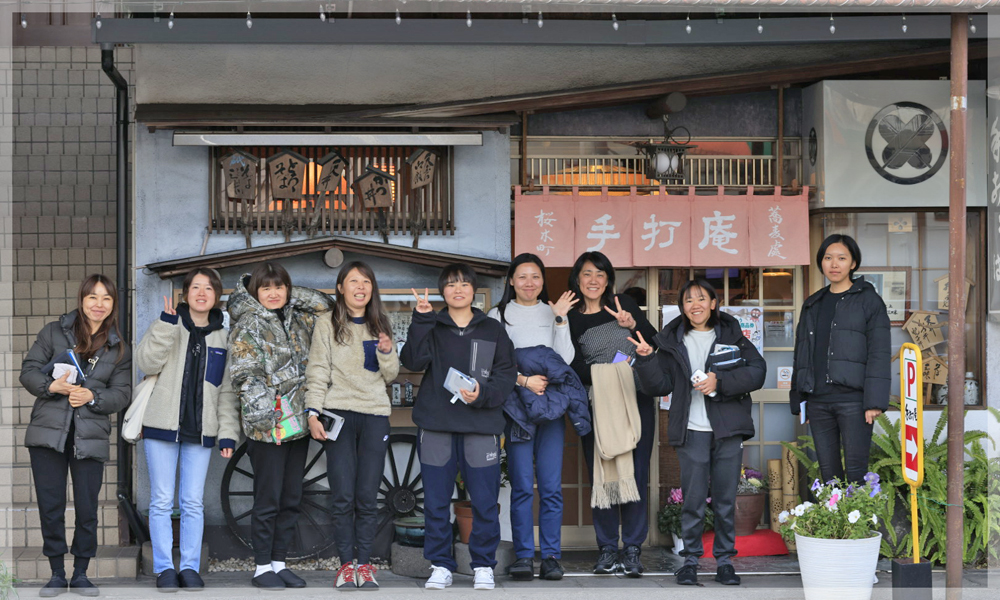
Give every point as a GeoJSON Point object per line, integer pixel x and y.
{"type": "Point", "coordinates": [429, 209]}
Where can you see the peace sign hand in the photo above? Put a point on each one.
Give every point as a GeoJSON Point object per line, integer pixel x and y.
{"type": "Point", "coordinates": [168, 305]}
{"type": "Point", "coordinates": [423, 304]}
{"type": "Point", "coordinates": [624, 317]}
{"type": "Point", "coordinates": [565, 302]}
{"type": "Point", "coordinates": [641, 347]}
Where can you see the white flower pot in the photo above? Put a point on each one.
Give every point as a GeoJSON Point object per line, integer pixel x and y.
{"type": "Point", "coordinates": [678, 543]}
{"type": "Point", "coordinates": [837, 569]}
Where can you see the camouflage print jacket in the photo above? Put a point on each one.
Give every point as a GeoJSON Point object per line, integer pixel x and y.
{"type": "Point", "coordinates": [268, 358]}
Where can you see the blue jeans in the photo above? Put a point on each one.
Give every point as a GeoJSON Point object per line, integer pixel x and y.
{"type": "Point", "coordinates": [477, 456]}
{"type": "Point", "coordinates": [541, 457]}
{"type": "Point", "coordinates": [162, 460]}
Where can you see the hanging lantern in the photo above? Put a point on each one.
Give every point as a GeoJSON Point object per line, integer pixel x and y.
{"type": "Point", "coordinates": [333, 167]}
{"type": "Point", "coordinates": [374, 188]}
{"type": "Point", "coordinates": [240, 170]}
{"type": "Point", "coordinates": [287, 171]}
{"type": "Point", "coordinates": [423, 164]}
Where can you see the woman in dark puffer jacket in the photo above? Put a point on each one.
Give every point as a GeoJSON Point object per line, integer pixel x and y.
{"type": "Point", "coordinates": [842, 362]}
{"type": "Point", "coordinates": [70, 422]}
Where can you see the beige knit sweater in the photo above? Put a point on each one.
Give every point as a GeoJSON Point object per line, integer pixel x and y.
{"type": "Point", "coordinates": [336, 377]}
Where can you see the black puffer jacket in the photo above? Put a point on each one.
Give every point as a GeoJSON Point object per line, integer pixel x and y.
{"type": "Point", "coordinates": [669, 371]}
{"type": "Point", "coordinates": [859, 347]}
{"type": "Point", "coordinates": [110, 380]}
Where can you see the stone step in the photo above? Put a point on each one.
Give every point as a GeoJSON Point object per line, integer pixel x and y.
{"type": "Point", "coordinates": [111, 562]}
{"type": "Point", "coordinates": [26, 531]}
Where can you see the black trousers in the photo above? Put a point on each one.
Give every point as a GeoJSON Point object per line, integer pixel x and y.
{"type": "Point", "coordinates": [49, 469]}
{"type": "Point", "coordinates": [277, 496]}
{"type": "Point", "coordinates": [354, 464]}
{"type": "Point", "coordinates": [710, 467]}
{"type": "Point", "coordinates": [837, 425]}
{"type": "Point", "coordinates": [631, 517]}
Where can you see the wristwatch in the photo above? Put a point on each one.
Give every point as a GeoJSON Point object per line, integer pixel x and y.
{"type": "Point", "coordinates": [560, 320]}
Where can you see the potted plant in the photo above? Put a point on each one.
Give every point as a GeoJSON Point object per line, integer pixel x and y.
{"type": "Point", "coordinates": [750, 498]}
{"type": "Point", "coordinates": [836, 538]}
{"type": "Point", "coordinates": [669, 518]}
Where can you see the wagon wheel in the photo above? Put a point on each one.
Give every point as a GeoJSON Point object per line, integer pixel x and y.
{"type": "Point", "coordinates": [314, 530]}
{"type": "Point", "coordinates": [402, 487]}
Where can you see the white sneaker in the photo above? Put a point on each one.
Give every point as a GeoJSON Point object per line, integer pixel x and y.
{"type": "Point", "coordinates": [484, 579]}
{"type": "Point", "coordinates": [440, 578]}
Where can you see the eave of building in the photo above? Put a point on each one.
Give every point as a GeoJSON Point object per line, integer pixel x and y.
{"type": "Point", "coordinates": [417, 256]}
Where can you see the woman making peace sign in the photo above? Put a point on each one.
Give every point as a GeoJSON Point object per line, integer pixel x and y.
{"type": "Point", "coordinates": [600, 327]}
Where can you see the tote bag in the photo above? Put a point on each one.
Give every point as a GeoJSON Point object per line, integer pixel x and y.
{"type": "Point", "coordinates": [132, 426]}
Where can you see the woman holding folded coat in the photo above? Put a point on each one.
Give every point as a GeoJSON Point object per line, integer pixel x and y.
{"type": "Point", "coordinates": [535, 433]}
{"type": "Point", "coordinates": [709, 415]}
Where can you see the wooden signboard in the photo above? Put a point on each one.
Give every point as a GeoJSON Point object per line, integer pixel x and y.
{"type": "Point", "coordinates": [333, 167]}
{"type": "Point", "coordinates": [423, 163]}
{"type": "Point", "coordinates": [924, 329]}
{"type": "Point", "coordinates": [374, 188]}
{"type": "Point", "coordinates": [240, 170]}
{"type": "Point", "coordinates": [287, 170]}
{"type": "Point", "coordinates": [942, 286]}
{"type": "Point", "coordinates": [935, 370]}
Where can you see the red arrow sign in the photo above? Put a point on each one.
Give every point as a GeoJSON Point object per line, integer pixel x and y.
{"type": "Point", "coordinates": [912, 439]}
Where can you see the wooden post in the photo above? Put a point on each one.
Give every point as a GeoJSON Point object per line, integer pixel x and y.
{"type": "Point", "coordinates": [956, 303]}
{"type": "Point", "coordinates": [524, 149]}
{"type": "Point", "coordinates": [779, 172]}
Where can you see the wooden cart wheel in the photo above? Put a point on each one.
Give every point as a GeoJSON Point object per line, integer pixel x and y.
{"type": "Point", "coordinates": [314, 530]}
{"type": "Point", "coordinates": [402, 489]}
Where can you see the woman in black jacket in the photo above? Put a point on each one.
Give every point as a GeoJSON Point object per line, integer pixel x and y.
{"type": "Point", "coordinates": [709, 415]}
{"type": "Point", "coordinates": [842, 362]}
{"type": "Point", "coordinates": [600, 327]}
{"type": "Point", "coordinates": [80, 372]}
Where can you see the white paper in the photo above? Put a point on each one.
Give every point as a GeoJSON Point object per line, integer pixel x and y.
{"type": "Point", "coordinates": [60, 369]}
{"type": "Point", "coordinates": [802, 412]}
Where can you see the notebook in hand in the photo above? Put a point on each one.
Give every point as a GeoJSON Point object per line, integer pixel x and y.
{"type": "Point", "coordinates": [481, 361]}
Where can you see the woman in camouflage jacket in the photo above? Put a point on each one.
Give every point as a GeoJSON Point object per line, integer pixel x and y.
{"type": "Point", "coordinates": [269, 348]}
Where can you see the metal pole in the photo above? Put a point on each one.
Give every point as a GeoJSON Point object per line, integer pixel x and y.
{"type": "Point", "coordinates": [956, 302]}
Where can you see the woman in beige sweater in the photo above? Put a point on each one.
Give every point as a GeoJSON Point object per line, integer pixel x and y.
{"type": "Point", "coordinates": [351, 361]}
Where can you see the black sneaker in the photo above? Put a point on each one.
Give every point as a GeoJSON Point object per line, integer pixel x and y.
{"type": "Point", "coordinates": [57, 585]}
{"type": "Point", "coordinates": [167, 581]}
{"type": "Point", "coordinates": [79, 584]}
{"type": "Point", "coordinates": [688, 575]}
{"type": "Point", "coordinates": [268, 580]}
{"type": "Point", "coordinates": [726, 575]}
{"type": "Point", "coordinates": [551, 569]}
{"type": "Point", "coordinates": [191, 581]}
{"type": "Point", "coordinates": [630, 561]}
{"type": "Point", "coordinates": [291, 579]}
{"type": "Point", "coordinates": [607, 561]}
{"type": "Point", "coordinates": [523, 569]}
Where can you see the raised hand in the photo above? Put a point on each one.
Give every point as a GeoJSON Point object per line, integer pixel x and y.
{"type": "Point", "coordinates": [560, 307]}
{"type": "Point", "coordinates": [168, 305]}
{"type": "Point", "coordinates": [624, 317]}
{"type": "Point", "coordinates": [384, 343]}
{"type": "Point", "coordinates": [423, 304]}
{"type": "Point", "coordinates": [470, 397]}
{"type": "Point", "coordinates": [641, 347]}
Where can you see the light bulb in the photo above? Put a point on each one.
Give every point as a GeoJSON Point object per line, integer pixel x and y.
{"type": "Point", "coordinates": [540, 22]}
{"type": "Point", "coordinates": [97, 23]}
{"type": "Point", "coordinates": [687, 27]}
{"type": "Point", "coordinates": [972, 26]}
{"type": "Point", "coordinates": [468, 18]}
{"type": "Point", "coordinates": [24, 21]}
{"type": "Point", "coordinates": [904, 24]}
{"type": "Point", "coordinates": [833, 27]}
{"type": "Point", "coordinates": [170, 21]}
{"type": "Point", "coordinates": [249, 20]}
{"type": "Point", "coordinates": [760, 25]}
{"type": "Point", "coordinates": [322, 14]}
{"type": "Point", "coordinates": [614, 21]}
{"type": "Point", "coordinates": [399, 19]}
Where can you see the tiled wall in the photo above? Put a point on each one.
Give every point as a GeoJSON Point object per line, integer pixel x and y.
{"type": "Point", "coordinates": [63, 228]}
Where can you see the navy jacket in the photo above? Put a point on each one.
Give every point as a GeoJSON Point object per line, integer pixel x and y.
{"type": "Point", "coordinates": [434, 343]}
{"type": "Point", "coordinates": [859, 347]}
{"type": "Point", "coordinates": [669, 371]}
{"type": "Point", "coordinates": [563, 395]}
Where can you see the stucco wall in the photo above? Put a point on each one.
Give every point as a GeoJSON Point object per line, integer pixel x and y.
{"type": "Point", "coordinates": [171, 217]}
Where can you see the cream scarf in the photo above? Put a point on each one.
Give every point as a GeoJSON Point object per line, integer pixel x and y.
{"type": "Point", "coordinates": [616, 433]}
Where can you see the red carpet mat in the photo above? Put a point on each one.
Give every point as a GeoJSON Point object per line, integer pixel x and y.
{"type": "Point", "coordinates": [762, 542]}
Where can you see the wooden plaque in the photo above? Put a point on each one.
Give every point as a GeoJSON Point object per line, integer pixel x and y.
{"type": "Point", "coordinates": [423, 163]}
{"type": "Point", "coordinates": [240, 170]}
{"type": "Point", "coordinates": [374, 188]}
{"type": "Point", "coordinates": [333, 167]}
{"type": "Point", "coordinates": [287, 170]}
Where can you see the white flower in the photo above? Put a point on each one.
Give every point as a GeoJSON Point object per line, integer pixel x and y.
{"type": "Point", "coordinates": [854, 516]}
{"type": "Point", "coordinates": [874, 520]}
{"type": "Point", "coordinates": [799, 510]}
{"type": "Point", "coordinates": [783, 516]}
{"type": "Point", "coordinates": [832, 507]}
{"type": "Point", "coordinates": [806, 505]}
